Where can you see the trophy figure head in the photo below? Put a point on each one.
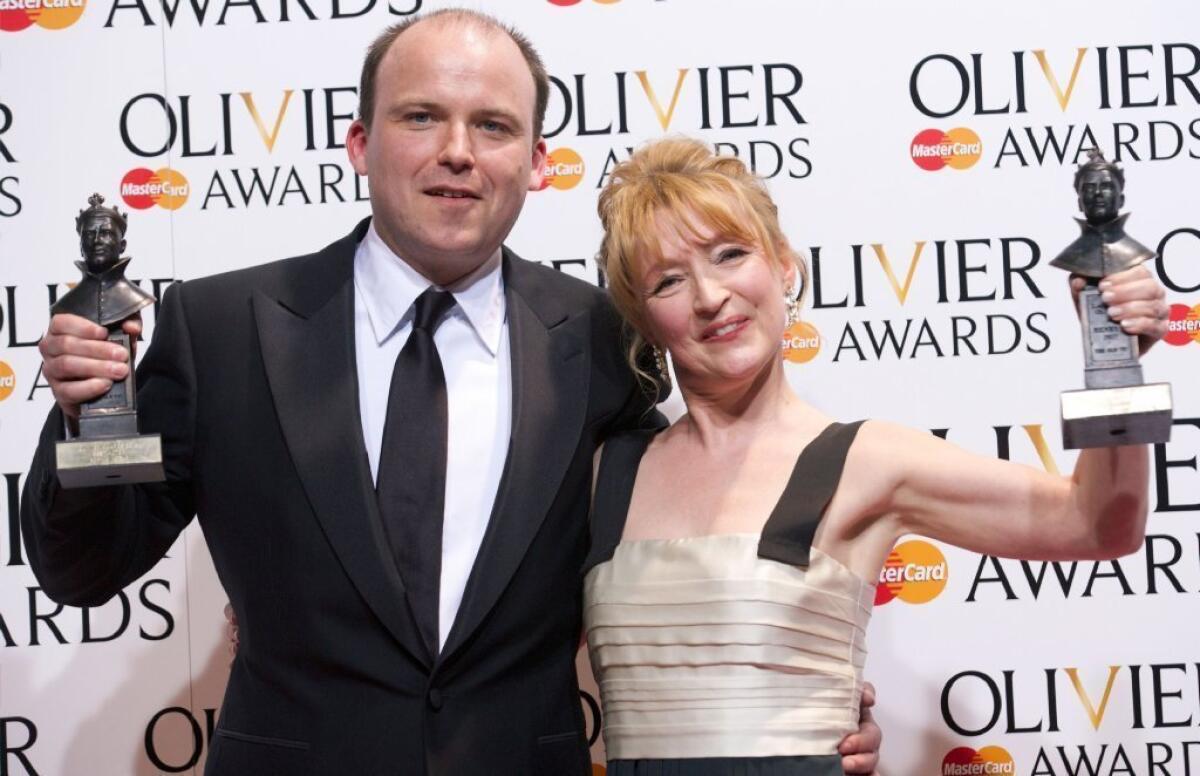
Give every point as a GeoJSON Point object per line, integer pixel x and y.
{"type": "Point", "coordinates": [101, 234]}
{"type": "Point", "coordinates": [1100, 185]}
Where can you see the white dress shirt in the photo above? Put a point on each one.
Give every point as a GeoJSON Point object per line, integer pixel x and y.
{"type": "Point", "coordinates": [472, 343]}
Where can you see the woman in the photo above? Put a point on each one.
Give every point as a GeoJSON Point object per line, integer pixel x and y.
{"type": "Point", "coordinates": [731, 575]}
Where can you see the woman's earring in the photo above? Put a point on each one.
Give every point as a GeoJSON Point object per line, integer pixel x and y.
{"type": "Point", "coordinates": [793, 308]}
{"type": "Point", "coordinates": [660, 362]}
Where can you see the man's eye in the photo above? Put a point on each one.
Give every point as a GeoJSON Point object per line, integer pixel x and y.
{"type": "Point", "coordinates": [419, 118]}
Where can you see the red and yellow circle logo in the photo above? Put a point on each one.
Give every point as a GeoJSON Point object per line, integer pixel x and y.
{"type": "Point", "coordinates": [801, 342]}
{"type": "Point", "coordinates": [987, 761]}
{"type": "Point", "coordinates": [933, 149]}
{"type": "Point", "coordinates": [16, 15]}
{"type": "Point", "coordinates": [564, 169]}
{"type": "Point", "coordinates": [142, 188]}
{"type": "Point", "coordinates": [8, 381]}
{"type": "Point", "coordinates": [915, 572]}
{"type": "Point", "coordinates": [1183, 325]}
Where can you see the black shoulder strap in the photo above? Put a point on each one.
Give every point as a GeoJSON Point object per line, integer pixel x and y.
{"type": "Point", "coordinates": [788, 534]}
{"type": "Point", "coordinates": [614, 489]}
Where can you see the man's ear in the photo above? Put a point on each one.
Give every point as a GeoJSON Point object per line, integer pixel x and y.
{"type": "Point", "coordinates": [537, 173]}
{"type": "Point", "coordinates": [356, 146]}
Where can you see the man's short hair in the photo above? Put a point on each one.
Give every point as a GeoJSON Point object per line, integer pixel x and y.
{"type": "Point", "coordinates": [379, 48]}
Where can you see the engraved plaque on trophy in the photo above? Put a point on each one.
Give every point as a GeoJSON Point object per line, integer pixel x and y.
{"type": "Point", "coordinates": [108, 450]}
{"type": "Point", "coordinates": [1116, 407]}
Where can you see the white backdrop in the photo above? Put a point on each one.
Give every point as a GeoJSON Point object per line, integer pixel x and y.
{"type": "Point", "coordinates": [1057, 669]}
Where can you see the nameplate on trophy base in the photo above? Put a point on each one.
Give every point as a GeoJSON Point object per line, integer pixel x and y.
{"type": "Point", "coordinates": [1106, 417]}
{"type": "Point", "coordinates": [85, 463]}
{"type": "Point", "coordinates": [1110, 355]}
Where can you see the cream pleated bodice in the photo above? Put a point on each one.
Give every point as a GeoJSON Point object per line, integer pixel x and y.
{"type": "Point", "coordinates": [734, 645]}
{"type": "Point", "coordinates": [703, 649]}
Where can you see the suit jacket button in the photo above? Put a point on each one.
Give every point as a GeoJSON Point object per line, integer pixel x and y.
{"type": "Point", "coordinates": [435, 699]}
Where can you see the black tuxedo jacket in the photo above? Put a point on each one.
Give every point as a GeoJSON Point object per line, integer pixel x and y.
{"type": "Point", "coordinates": [251, 381]}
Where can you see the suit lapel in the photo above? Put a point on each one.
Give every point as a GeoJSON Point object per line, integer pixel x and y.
{"type": "Point", "coordinates": [306, 332]}
{"type": "Point", "coordinates": [549, 349]}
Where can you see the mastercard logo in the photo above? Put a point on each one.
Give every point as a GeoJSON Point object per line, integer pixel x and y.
{"type": "Point", "coordinates": [934, 149]}
{"type": "Point", "coordinates": [801, 342]}
{"type": "Point", "coordinates": [16, 15]}
{"type": "Point", "coordinates": [915, 572]}
{"type": "Point", "coordinates": [989, 760]}
{"type": "Point", "coordinates": [8, 381]}
{"type": "Point", "coordinates": [143, 189]}
{"type": "Point", "coordinates": [563, 170]}
{"type": "Point", "coordinates": [1183, 325]}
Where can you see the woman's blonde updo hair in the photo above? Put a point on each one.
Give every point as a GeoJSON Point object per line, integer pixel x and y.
{"type": "Point", "coordinates": [682, 183]}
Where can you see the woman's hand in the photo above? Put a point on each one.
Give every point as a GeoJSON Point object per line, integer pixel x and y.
{"type": "Point", "coordinates": [1136, 300]}
{"type": "Point", "coordinates": [231, 630]}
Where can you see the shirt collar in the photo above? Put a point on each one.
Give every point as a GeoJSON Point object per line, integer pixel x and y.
{"type": "Point", "coordinates": [388, 287]}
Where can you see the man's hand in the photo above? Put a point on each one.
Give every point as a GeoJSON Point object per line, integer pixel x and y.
{"type": "Point", "coordinates": [860, 751]}
{"type": "Point", "coordinates": [79, 362]}
{"type": "Point", "coordinates": [1135, 300]}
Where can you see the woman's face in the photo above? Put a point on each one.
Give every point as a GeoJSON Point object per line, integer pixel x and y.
{"type": "Point", "coordinates": [716, 304]}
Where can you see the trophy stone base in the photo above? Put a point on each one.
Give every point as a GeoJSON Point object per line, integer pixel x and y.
{"type": "Point", "coordinates": [1107, 417]}
{"type": "Point", "coordinates": [84, 463]}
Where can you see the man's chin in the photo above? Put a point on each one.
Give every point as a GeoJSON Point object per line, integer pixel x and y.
{"type": "Point", "coordinates": [457, 257]}
{"type": "Point", "coordinates": [455, 246]}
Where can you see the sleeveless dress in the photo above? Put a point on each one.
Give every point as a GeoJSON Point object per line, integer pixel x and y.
{"type": "Point", "coordinates": [731, 654]}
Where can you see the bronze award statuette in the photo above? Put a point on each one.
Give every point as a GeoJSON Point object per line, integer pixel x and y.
{"type": "Point", "coordinates": [1116, 408]}
{"type": "Point", "coordinates": [109, 450]}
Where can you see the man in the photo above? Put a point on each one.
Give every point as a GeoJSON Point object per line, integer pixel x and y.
{"type": "Point", "coordinates": [273, 389]}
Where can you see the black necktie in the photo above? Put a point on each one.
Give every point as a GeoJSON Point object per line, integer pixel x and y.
{"type": "Point", "coordinates": [411, 483]}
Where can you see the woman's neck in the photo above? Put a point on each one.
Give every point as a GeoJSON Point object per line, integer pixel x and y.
{"type": "Point", "coordinates": [723, 414]}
